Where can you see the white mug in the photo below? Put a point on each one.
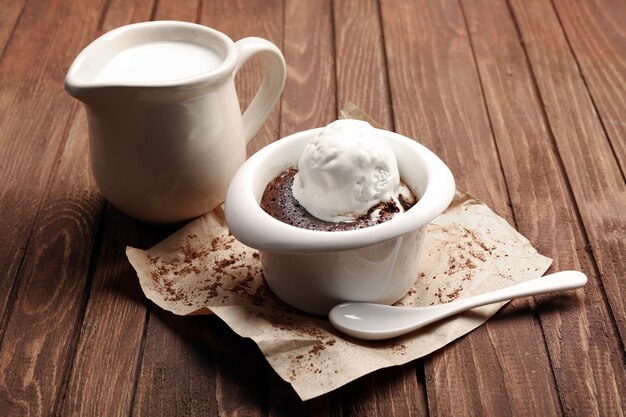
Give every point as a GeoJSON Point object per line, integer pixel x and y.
{"type": "Point", "coordinates": [166, 132]}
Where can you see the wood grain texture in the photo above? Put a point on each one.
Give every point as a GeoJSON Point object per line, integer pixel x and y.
{"type": "Point", "coordinates": [437, 99]}
{"type": "Point", "coordinates": [39, 337]}
{"type": "Point", "coordinates": [125, 12]}
{"type": "Point", "coordinates": [11, 11]}
{"type": "Point", "coordinates": [179, 368]}
{"type": "Point", "coordinates": [360, 59]}
{"type": "Point", "coordinates": [32, 85]}
{"type": "Point", "coordinates": [580, 331]}
{"type": "Point", "coordinates": [189, 11]}
{"type": "Point", "coordinates": [596, 32]}
{"type": "Point", "coordinates": [387, 393]}
{"type": "Point", "coordinates": [590, 165]}
{"type": "Point", "coordinates": [113, 327]}
{"type": "Point", "coordinates": [309, 98]}
{"type": "Point", "coordinates": [436, 93]}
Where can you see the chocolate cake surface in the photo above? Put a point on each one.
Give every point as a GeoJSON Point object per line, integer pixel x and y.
{"type": "Point", "coordinates": [278, 201]}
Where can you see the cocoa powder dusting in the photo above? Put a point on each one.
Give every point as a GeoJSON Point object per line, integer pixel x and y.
{"type": "Point", "coordinates": [439, 295]}
{"type": "Point", "coordinates": [191, 278]}
{"type": "Point", "coordinates": [190, 253]}
{"type": "Point", "coordinates": [454, 294]}
{"type": "Point", "coordinates": [400, 348]}
{"type": "Point", "coordinates": [317, 348]}
{"type": "Point", "coordinates": [220, 264]}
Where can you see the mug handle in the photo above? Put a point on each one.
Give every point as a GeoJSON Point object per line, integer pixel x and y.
{"type": "Point", "coordinates": [271, 87]}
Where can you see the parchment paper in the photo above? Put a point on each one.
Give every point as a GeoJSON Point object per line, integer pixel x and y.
{"type": "Point", "coordinates": [202, 269]}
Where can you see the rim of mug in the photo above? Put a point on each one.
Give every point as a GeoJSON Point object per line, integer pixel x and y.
{"type": "Point", "coordinates": [227, 66]}
{"type": "Point", "coordinates": [251, 225]}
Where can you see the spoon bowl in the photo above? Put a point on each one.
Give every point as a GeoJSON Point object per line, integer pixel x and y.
{"type": "Point", "coordinates": [376, 321]}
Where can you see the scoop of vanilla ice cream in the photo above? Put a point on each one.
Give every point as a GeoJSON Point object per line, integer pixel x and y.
{"type": "Point", "coordinates": [344, 171]}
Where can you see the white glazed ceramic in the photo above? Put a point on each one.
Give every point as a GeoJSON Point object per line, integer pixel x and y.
{"type": "Point", "coordinates": [375, 321]}
{"type": "Point", "coordinates": [314, 270]}
{"type": "Point", "coordinates": [166, 150]}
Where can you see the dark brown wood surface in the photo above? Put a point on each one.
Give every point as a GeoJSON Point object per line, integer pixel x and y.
{"type": "Point", "coordinates": [525, 100]}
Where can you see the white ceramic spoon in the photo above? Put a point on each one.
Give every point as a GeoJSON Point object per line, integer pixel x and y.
{"type": "Point", "coordinates": [376, 321]}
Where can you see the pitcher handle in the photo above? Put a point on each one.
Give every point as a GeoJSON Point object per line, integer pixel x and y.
{"type": "Point", "coordinates": [271, 87]}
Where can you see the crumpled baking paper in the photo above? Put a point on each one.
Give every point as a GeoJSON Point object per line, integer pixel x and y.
{"type": "Point", "coordinates": [203, 269]}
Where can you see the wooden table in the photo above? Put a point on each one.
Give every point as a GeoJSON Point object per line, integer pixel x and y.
{"type": "Point", "coordinates": [526, 102]}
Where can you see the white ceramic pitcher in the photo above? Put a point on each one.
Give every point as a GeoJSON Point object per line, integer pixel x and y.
{"type": "Point", "coordinates": [166, 132]}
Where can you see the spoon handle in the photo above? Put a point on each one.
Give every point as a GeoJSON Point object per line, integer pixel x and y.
{"type": "Point", "coordinates": [560, 281]}
{"type": "Point", "coordinates": [375, 321]}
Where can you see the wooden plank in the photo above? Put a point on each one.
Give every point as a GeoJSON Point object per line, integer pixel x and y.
{"type": "Point", "coordinates": [182, 379]}
{"type": "Point", "coordinates": [195, 366]}
{"type": "Point", "coordinates": [362, 79]}
{"type": "Point", "coordinates": [580, 332]}
{"type": "Point", "coordinates": [360, 59]}
{"type": "Point", "coordinates": [592, 170]}
{"type": "Point", "coordinates": [49, 293]}
{"type": "Point", "coordinates": [437, 99]}
{"type": "Point", "coordinates": [110, 344]}
{"type": "Point", "coordinates": [309, 98]}
{"type": "Point", "coordinates": [32, 66]}
{"type": "Point", "coordinates": [198, 366]}
{"type": "Point", "coordinates": [11, 11]}
{"type": "Point", "coordinates": [596, 32]}
{"type": "Point", "coordinates": [124, 12]}
{"type": "Point", "coordinates": [387, 392]}
{"type": "Point", "coordinates": [174, 10]}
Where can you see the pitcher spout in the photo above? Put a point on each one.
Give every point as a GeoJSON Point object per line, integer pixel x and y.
{"type": "Point", "coordinates": [78, 82]}
{"type": "Point", "coordinates": [152, 54]}
{"type": "Point", "coordinates": [84, 77]}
